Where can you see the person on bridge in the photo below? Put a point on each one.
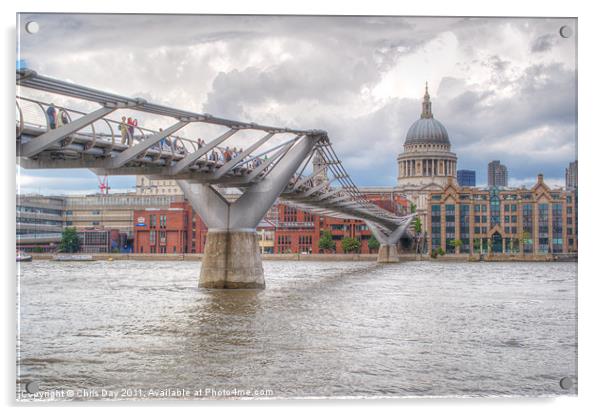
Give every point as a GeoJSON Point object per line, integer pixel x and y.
{"type": "Point", "coordinates": [63, 117]}
{"type": "Point", "coordinates": [162, 141]}
{"type": "Point", "coordinates": [51, 112]}
{"type": "Point", "coordinates": [131, 128]}
{"type": "Point", "coordinates": [227, 154]}
{"type": "Point", "coordinates": [123, 128]}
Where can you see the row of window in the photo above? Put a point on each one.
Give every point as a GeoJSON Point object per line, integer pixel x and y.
{"type": "Point", "coordinates": [30, 209]}
{"type": "Point", "coordinates": [527, 196]}
{"type": "Point", "coordinates": [499, 245]}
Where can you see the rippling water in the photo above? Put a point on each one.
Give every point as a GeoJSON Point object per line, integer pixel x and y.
{"type": "Point", "coordinates": [136, 330]}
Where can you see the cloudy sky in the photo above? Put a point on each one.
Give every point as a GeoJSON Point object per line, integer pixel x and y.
{"type": "Point", "coordinates": [504, 88]}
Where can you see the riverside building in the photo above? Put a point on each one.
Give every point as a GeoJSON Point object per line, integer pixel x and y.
{"type": "Point", "coordinates": [535, 221]}
{"type": "Point", "coordinates": [39, 222]}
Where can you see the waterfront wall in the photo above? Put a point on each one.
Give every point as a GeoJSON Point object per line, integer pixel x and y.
{"type": "Point", "coordinates": [329, 257]}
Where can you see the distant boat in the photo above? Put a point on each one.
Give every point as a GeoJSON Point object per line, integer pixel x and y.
{"type": "Point", "coordinates": [23, 257]}
{"type": "Point", "coordinates": [73, 257]}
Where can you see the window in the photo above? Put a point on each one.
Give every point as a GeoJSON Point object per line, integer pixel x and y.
{"type": "Point", "coordinates": [290, 214]}
{"type": "Point", "coordinates": [163, 221]}
{"type": "Point", "coordinates": [543, 228]}
{"type": "Point", "coordinates": [153, 221]}
{"type": "Point", "coordinates": [284, 244]}
{"type": "Point", "coordinates": [305, 243]}
{"type": "Point", "coordinates": [465, 228]}
{"type": "Point", "coordinates": [495, 207]}
{"type": "Point", "coordinates": [557, 227]}
{"type": "Point", "coordinates": [153, 237]}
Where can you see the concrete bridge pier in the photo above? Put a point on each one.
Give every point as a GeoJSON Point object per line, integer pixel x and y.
{"type": "Point", "coordinates": [232, 258]}
{"type": "Point", "coordinates": [388, 252]}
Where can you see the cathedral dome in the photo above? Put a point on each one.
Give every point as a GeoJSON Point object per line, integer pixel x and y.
{"type": "Point", "coordinates": [427, 130]}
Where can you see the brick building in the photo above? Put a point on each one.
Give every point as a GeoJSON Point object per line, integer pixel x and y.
{"type": "Point", "coordinates": [175, 230]}
{"type": "Point", "coordinates": [284, 229]}
{"type": "Point", "coordinates": [536, 221]}
{"type": "Point", "coordinates": [298, 231]}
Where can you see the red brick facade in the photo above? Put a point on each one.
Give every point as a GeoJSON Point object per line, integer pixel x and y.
{"type": "Point", "coordinates": [174, 230]}
{"type": "Point", "coordinates": [180, 230]}
{"type": "Point", "coordinates": [299, 231]}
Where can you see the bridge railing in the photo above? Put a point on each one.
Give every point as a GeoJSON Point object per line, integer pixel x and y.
{"type": "Point", "coordinates": [32, 114]}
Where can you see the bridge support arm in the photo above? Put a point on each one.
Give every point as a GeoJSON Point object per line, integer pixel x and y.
{"type": "Point", "coordinates": [232, 258]}
{"type": "Point", "coordinates": [388, 252]}
{"type": "Point", "coordinates": [51, 137]}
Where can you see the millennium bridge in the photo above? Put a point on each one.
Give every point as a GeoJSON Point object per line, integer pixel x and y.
{"type": "Point", "coordinates": [274, 164]}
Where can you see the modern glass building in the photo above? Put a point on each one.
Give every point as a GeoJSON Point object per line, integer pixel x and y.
{"type": "Point", "coordinates": [536, 221]}
{"type": "Point", "coordinates": [466, 178]}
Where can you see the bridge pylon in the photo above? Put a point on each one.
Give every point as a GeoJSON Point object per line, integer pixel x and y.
{"type": "Point", "coordinates": [232, 258]}
{"type": "Point", "coordinates": [388, 252]}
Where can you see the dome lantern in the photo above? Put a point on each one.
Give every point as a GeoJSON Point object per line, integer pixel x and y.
{"type": "Point", "coordinates": [427, 130]}
{"type": "Point", "coordinates": [426, 104]}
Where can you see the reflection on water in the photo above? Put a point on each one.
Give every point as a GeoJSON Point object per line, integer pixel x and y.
{"type": "Point", "coordinates": [319, 329]}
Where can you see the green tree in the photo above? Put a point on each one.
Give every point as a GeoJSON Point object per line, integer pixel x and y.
{"type": "Point", "coordinates": [326, 243]}
{"type": "Point", "coordinates": [350, 244]}
{"type": "Point", "coordinates": [69, 240]}
{"type": "Point", "coordinates": [456, 243]}
{"type": "Point", "coordinates": [417, 224]}
{"type": "Point", "coordinates": [373, 243]}
{"type": "Point", "coordinates": [412, 208]}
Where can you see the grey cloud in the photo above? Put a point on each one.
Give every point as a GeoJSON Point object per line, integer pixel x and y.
{"type": "Point", "coordinates": [542, 43]}
{"type": "Point", "coordinates": [216, 64]}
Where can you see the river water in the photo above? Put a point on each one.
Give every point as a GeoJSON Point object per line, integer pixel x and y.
{"type": "Point", "coordinates": [143, 330]}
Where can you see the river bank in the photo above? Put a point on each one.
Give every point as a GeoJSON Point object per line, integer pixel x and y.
{"type": "Point", "coordinates": [329, 257]}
